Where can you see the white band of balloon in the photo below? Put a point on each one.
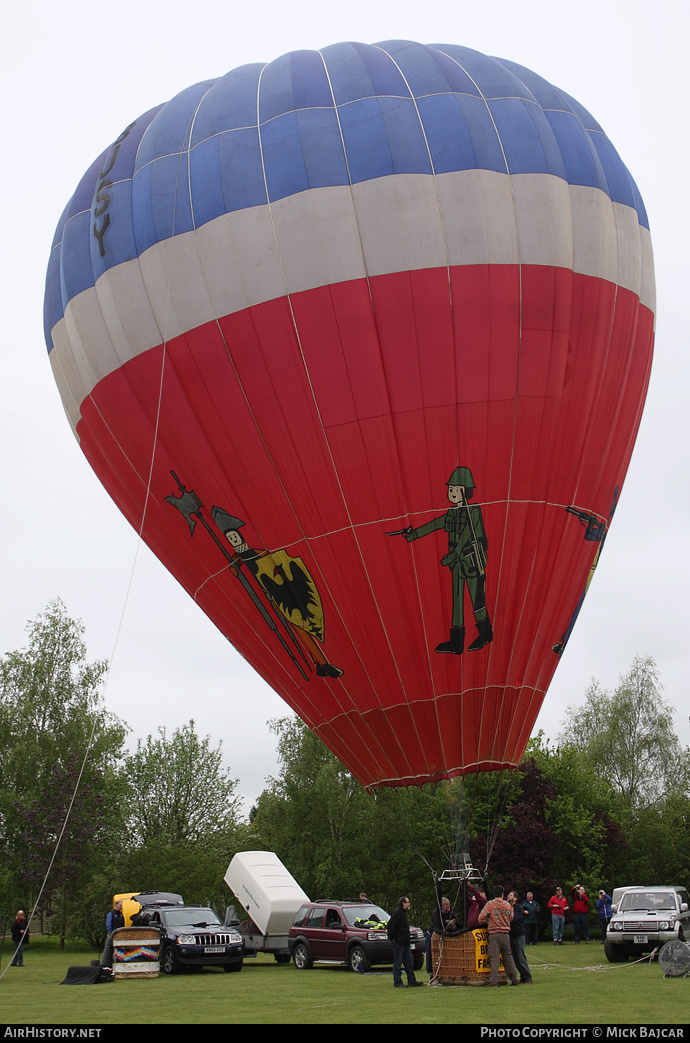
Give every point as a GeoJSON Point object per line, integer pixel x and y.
{"type": "Point", "coordinates": [331, 235]}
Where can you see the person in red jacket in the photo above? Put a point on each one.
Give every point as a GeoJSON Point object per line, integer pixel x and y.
{"type": "Point", "coordinates": [557, 906]}
{"type": "Point", "coordinates": [580, 913]}
{"type": "Point", "coordinates": [476, 900]}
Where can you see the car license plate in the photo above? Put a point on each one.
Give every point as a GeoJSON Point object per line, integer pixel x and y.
{"type": "Point", "coordinates": [640, 939]}
{"type": "Point", "coordinates": [214, 948]}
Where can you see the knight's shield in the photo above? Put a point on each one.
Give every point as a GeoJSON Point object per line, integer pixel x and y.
{"type": "Point", "coordinates": [292, 590]}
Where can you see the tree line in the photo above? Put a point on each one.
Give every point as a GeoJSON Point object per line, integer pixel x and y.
{"type": "Point", "coordinates": [82, 819]}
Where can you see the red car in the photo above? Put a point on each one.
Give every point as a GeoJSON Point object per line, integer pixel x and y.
{"type": "Point", "coordinates": [351, 933]}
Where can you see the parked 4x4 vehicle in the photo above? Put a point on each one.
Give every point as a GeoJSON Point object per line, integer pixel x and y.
{"type": "Point", "coordinates": [646, 918]}
{"type": "Point", "coordinates": [191, 935]}
{"type": "Point", "coordinates": [353, 933]}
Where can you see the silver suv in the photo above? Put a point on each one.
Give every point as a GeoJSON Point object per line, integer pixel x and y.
{"type": "Point", "coordinates": [645, 919]}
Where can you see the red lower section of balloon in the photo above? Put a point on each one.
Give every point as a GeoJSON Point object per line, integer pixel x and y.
{"type": "Point", "coordinates": [324, 422]}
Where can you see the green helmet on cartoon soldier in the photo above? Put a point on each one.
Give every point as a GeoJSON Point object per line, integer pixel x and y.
{"type": "Point", "coordinates": [462, 476]}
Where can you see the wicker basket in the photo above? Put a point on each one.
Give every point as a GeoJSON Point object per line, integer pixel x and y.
{"type": "Point", "coordinates": [462, 959]}
{"type": "Point", "coordinates": [136, 952]}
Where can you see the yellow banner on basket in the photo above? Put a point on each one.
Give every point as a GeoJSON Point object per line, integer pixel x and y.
{"type": "Point", "coordinates": [481, 951]}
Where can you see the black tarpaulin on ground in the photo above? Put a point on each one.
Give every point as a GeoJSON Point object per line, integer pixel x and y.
{"type": "Point", "coordinates": [87, 975]}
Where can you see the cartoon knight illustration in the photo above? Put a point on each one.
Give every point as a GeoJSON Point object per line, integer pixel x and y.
{"type": "Point", "coordinates": [279, 586]}
{"type": "Point", "coordinates": [288, 585]}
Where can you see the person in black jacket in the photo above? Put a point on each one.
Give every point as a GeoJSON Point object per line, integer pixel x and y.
{"type": "Point", "coordinates": [20, 934]}
{"type": "Point", "coordinates": [113, 921]}
{"type": "Point", "coordinates": [115, 918]}
{"type": "Point", "coordinates": [399, 937]}
{"type": "Point", "coordinates": [531, 907]}
{"type": "Point", "coordinates": [517, 940]}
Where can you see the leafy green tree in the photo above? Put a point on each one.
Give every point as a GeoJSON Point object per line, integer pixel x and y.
{"type": "Point", "coordinates": [408, 835]}
{"type": "Point", "coordinates": [660, 847]}
{"type": "Point", "coordinates": [525, 844]}
{"type": "Point", "coordinates": [180, 793]}
{"type": "Point", "coordinates": [197, 873]}
{"type": "Point", "coordinates": [87, 918]}
{"type": "Point", "coordinates": [52, 716]}
{"type": "Point", "coordinates": [50, 705]}
{"type": "Point", "coordinates": [582, 813]}
{"type": "Point", "coordinates": [314, 814]}
{"type": "Point", "coordinates": [63, 829]}
{"type": "Point", "coordinates": [549, 823]}
{"type": "Point", "coordinates": [183, 819]}
{"type": "Point", "coordinates": [628, 736]}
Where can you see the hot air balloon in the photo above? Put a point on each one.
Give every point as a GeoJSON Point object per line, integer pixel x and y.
{"type": "Point", "coordinates": [359, 341]}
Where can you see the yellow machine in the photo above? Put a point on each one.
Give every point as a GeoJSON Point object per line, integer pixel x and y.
{"type": "Point", "coordinates": [129, 907]}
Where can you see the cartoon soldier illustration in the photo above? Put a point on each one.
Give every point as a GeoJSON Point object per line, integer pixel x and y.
{"type": "Point", "coordinates": [466, 559]}
{"type": "Point", "coordinates": [279, 586]}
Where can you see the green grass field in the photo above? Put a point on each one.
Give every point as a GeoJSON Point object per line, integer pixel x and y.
{"type": "Point", "coordinates": [572, 985]}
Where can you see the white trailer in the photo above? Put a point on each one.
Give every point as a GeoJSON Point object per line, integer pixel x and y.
{"type": "Point", "coordinates": [271, 896]}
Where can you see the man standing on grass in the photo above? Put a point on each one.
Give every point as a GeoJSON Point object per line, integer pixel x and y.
{"type": "Point", "coordinates": [531, 909]}
{"type": "Point", "coordinates": [497, 915]}
{"type": "Point", "coordinates": [517, 940]}
{"type": "Point", "coordinates": [580, 913]}
{"type": "Point", "coordinates": [399, 936]}
{"type": "Point", "coordinates": [604, 909]}
{"type": "Point", "coordinates": [557, 906]}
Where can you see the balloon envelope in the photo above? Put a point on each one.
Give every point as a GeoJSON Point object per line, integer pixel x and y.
{"type": "Point", "coordinates": [359, 340]}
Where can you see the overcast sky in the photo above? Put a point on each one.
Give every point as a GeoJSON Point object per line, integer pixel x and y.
{"type": "Point", "coordinates": [74, 75]}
